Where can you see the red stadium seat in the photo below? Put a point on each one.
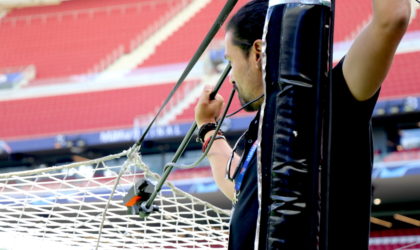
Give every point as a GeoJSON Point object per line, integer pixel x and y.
{"type": "Point", "coordinates": [71, 38]}
{"type": "Point", "coordinates": [101, 110]}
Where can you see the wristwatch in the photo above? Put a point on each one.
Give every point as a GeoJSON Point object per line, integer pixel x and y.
{"type": "Point", "coordinates": [204, 129]}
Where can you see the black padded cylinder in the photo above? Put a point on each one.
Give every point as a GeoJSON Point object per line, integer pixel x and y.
{"type": "Point", "coordinates": [296, 76]}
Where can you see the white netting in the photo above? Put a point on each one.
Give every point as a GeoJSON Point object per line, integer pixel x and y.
{"type": "Point", "coordinates": [66, 204]}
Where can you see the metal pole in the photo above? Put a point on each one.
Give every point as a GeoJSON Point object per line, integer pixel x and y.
{"type": "Point", "coordinates": [204, 44]}
{"type": "Point", "coordinates": [168, 167]}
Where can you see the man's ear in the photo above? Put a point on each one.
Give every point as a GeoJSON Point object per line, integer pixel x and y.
{"type": "Point", "coordinates": [257, 49]}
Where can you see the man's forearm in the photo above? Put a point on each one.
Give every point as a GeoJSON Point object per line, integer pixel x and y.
{"type": "Point", "coordinates": [219, 155]}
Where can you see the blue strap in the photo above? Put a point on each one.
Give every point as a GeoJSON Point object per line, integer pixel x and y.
{"type": "Point", "coordinates": [245, 165]}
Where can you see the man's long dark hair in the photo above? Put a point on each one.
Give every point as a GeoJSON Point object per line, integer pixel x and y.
{"type": "Point", "coordinates": [248, 23]}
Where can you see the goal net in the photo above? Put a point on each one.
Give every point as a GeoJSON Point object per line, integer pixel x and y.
{"type": "Point", "coordinates": [81, 205]}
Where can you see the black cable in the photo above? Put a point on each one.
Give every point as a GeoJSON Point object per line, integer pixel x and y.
{"type": "Point", "coordinates": [244, 106]}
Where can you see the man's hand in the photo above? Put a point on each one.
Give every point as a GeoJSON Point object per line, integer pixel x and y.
{"type": "Point", "coordinates": [206, 110]}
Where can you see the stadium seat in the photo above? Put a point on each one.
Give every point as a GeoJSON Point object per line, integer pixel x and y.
{"type": "Point", "coordinates": [75, 36]}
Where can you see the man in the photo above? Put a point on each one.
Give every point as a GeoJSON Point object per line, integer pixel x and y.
{"type": "Point", "coordinates": [357, 80]}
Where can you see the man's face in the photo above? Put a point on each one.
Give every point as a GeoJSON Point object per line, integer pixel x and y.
{"type": "Point", "coordinates": [246, 74]}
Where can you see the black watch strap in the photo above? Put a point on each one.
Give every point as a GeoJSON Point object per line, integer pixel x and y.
{"type": "Point", "coordinates": [204, 129]}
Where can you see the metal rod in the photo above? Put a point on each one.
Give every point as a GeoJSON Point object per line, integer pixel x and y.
{"type": "Point", "coordinates": [169, 166]}
{"type": "Point", "coordinates": [220, 122]}
{"type": "Point", "coordinates": [204, 44]}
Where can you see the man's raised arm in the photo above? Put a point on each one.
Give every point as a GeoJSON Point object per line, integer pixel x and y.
{"type": "Point", "coordinates": [370, 57]}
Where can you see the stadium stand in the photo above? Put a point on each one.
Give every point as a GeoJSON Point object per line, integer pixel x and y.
{"type": "Point", "coordinates": [73, 37]}
{"type": "Point", "coordinates": [392, 239]}
{"type": "Point", "coordinates": [393, 246]}
{"type": "Point", "coordinates": [403, 155]}
{"type": "Point", "coordinates": [403, 77]}
{"type": "Point", "coordinates": [396, 232]}
{"type": "Point", "coordinates": [181, 46]}
{"type": "Point", "coordinates": [77, 50]}
{"type": "Point", "coordinates": [12, 78]}
{"type": "Point", "coordinates": [350, 19]}
{"type": "Point", "coordinates": [79, 112]}
{"type": "Point", "coordinates": [66, 6]}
